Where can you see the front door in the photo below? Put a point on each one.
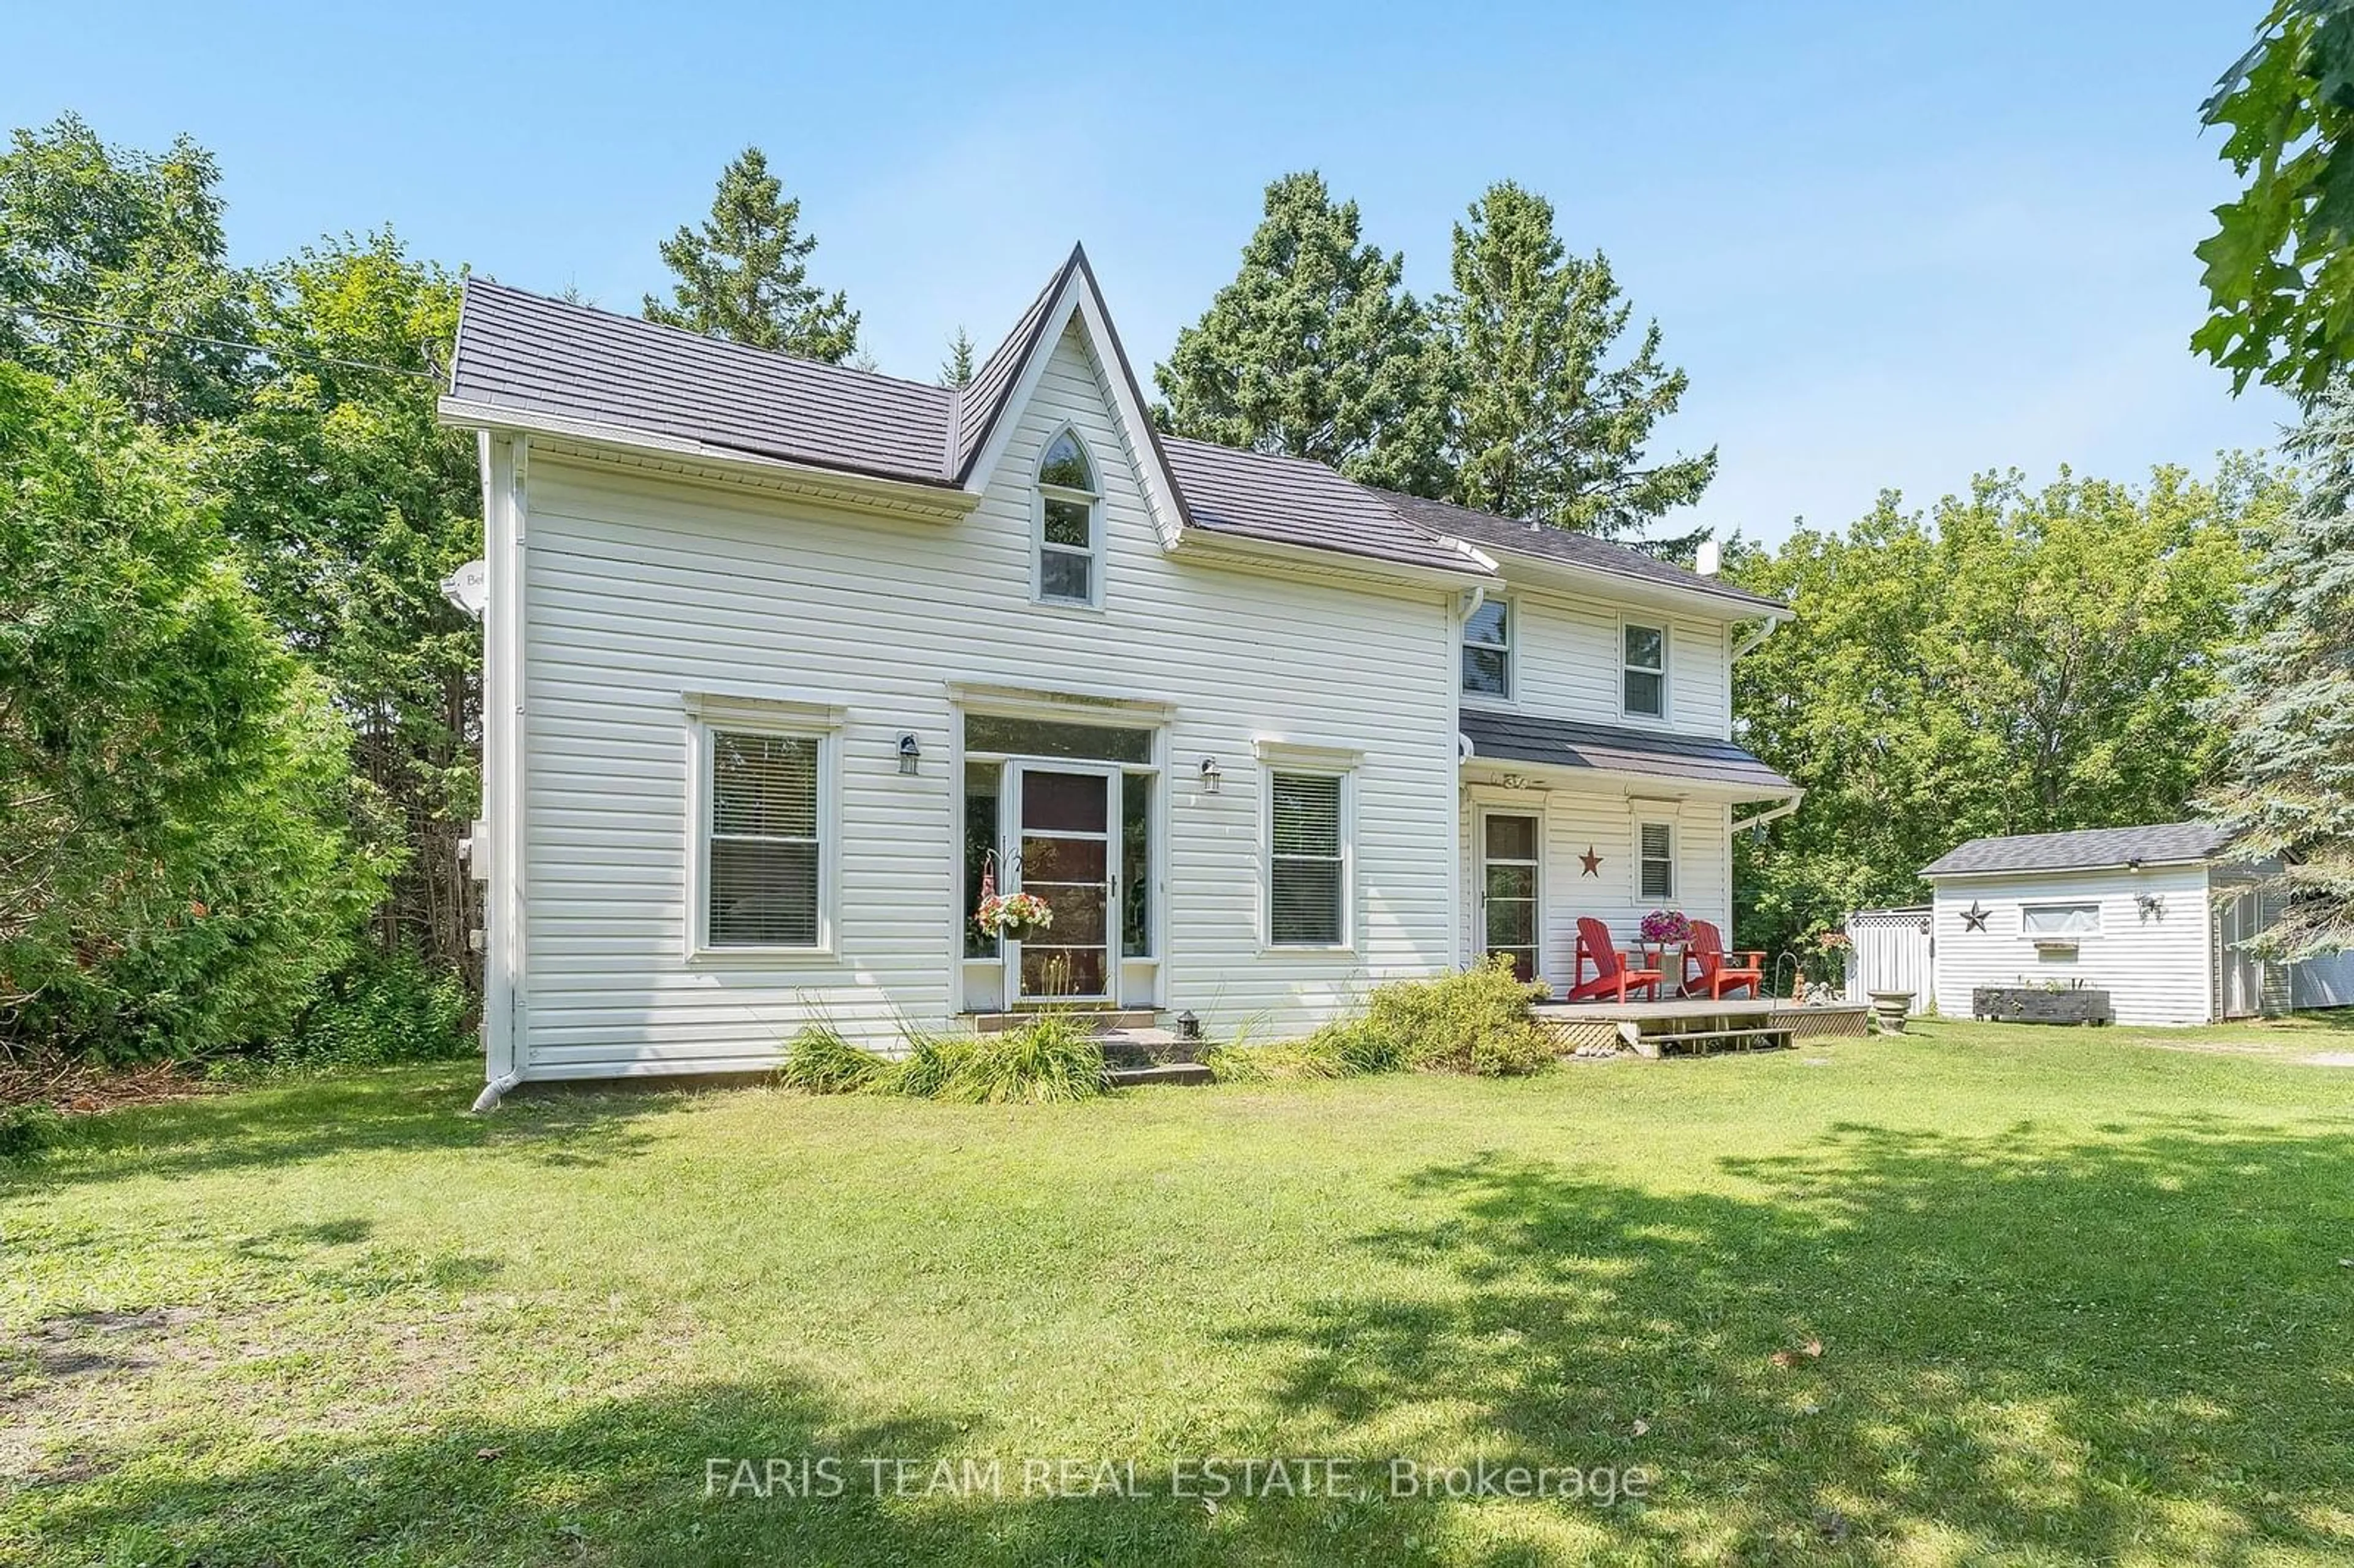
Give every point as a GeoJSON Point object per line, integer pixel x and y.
{"type": "Point", "coordinates": [1511, 911]}
{"type": "Point", "coordinates": [1061, 828]}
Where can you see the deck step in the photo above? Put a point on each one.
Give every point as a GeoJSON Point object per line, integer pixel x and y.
{"type": "Point", "coordinates": [1193, 1073]}
{"type": "Point", "coordinates": [1094, 1020]}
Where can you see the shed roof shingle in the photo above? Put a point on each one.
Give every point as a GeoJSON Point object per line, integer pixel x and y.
{"type": "Point", "coordinates": [2092, 849]}
{"type": "Point", "coordinates": [1612, 749]}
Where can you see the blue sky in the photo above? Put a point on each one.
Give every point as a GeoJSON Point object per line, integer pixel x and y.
{"type": "Point", "coordinates": [1893, 244]}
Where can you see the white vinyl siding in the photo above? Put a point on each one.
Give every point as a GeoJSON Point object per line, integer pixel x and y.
{"type": "Point", "coordinates": [1655, 846]}
{"type": "Point", "coordinates": [1568, 660]}
{"type": "Point", "coordinates": [644, 586]}
{"type": "Point", "coordinates": [1308, 859]}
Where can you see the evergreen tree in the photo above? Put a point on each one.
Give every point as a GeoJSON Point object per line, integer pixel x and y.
{"type": "Point", "coordinates": [1316, 351]}
{"type": "Point", "coordinates": [2288, 706]}
{"type": "Point", "coordinates": [956, 369]}
{"type": "Point", "coordinates": [744, 275]}
{"type": "Point", "coordinates": [1544, 428]}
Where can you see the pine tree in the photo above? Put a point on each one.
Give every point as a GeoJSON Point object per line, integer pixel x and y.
{"type": "Point", "coordinates": [956, 369]}
{"type": "Point", "coordinates": [1544, 428]}
{"type": "Point", "coordinates": [1316, 351]}
{"type": "Point", "coordinates": [2288, 702]}
{"type": "Point", "coordinates": [744, 275]}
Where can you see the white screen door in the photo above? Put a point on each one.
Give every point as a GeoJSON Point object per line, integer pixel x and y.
{"type": "Point", "coordinates": [1060, 821]}
{"type": "Point", "coordinates": [1509, 915]}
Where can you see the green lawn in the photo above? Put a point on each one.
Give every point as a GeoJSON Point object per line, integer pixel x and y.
{"type": "Point", "coordinates": [2080, 1297]}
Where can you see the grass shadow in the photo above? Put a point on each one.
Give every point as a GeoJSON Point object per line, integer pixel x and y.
{"type": "Point", "coordinates": [2012, 1347]}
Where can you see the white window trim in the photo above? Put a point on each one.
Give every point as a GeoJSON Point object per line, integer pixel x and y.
{"type": "Point", "coordinates": [1510, 695]}
{"type": "Point", "coordinates": [1667, 898]}
{"type": "Point", "coordinates": [818, 720]}
{"type": "Point", "coordinates": [1040, 493]}
{"type": "Point", "coordinates": [2026, 909]}
{"type": "Point", "coordinates": [1667, 661]}
{"type": "Point", "coordinates": [1319, 762]}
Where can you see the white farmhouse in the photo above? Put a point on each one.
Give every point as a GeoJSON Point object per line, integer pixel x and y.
{"type": "Point", "coordinates": [785, 659]}
{"type": "Point", "coordinates": [2153, 915]}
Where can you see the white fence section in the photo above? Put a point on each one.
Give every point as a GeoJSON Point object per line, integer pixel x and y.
{"type": "Point", "coordinates": [1895, 949]}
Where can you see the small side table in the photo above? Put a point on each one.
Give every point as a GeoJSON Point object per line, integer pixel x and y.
{"type": "Point", "coordinates": [1667, 958]}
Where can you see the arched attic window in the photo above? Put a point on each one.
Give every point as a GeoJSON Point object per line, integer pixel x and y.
{"type": "Point", "coordinates": [1069, 527]}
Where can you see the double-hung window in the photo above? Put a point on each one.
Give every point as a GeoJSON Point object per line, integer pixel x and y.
{"type": "Point", "coordinates": [1488, 651]}
{"type": "Point", "coordinates": [761, 859]}
{"type": "Point", "coordinates": [1655, 860]}
{"type": "Point", "coordinates": [1644, 674]}
{"type": "Point", "coordinates": [1308, 859]}
{"type": "Point", "coordinates": [1070, 524]}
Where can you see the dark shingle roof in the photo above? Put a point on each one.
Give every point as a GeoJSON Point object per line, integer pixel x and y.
{"type": "Point", "coordinates": [1566, 743]}
{"type": "Point", "coordinates": [526, 355]}
{"type": "Point", "coordinates": [2094, 849]}
{"type": "Point", "coordinates": [1491, 533]}
{"type": "Point", "coordinates": [1290, 501]}
{"type": "Point", "coordinates": [521, 352]}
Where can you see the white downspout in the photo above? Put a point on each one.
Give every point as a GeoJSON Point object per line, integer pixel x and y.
{"type": "Point", "coordinates": [505, 509]}
{"type": "Point", "coordinates": [1748, 644]}
{"type": "Point", "coordinates": [1759, 820]}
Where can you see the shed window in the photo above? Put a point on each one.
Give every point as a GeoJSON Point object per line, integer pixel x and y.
{"type": "Point", "coordinates": [1656, 860]}
{"type": "Point", "coordinates": [763, 851]}
{"type": "Point", "coordinates": [2060, 920]}
{"type": "Point", "coordinates": [1070, 524]}
{"type": "Point", "coordinates": [1487, 650]}
{"type": "Point", "coordinates": [1645, 672]}
{"type": "Point", "coordinates": [1308, 861]}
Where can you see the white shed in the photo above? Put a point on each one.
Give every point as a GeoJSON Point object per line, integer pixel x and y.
{"type": "Point", "coordinates": [2153, 915]}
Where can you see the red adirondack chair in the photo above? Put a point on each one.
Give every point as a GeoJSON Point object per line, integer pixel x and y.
{"type": "Point", "coordinates": [1613, 974]}
{"type": "Point", "coordinates": [1719, 971]}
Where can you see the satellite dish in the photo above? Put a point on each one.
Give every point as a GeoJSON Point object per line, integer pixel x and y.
{"type": "Point", "coordinates": [1711, 557]}
{"type": "Point", "coordinates": [469, 587]}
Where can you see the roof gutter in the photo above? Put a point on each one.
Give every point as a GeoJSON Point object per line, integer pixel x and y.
{"type": "Point", "coordinates": [1207, 543]}
{"type": "Point", "coordinates": [918, 500]}
{"type": "Point", "coordinates": [1697, 595]}
{"type": "Point", "coordinates": [1760, 819]}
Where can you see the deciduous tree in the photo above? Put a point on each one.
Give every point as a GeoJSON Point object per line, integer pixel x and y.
{"type": "Point", "coordinates": [2015, 661]}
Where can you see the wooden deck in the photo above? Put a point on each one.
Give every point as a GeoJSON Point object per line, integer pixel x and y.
{"type": "Point", "coordinates": [1695, 1025]}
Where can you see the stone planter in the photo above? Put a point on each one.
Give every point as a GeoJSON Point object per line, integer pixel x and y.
{"type": "Point", "coordinates": [2034, 1004]}
{"type": "Point", "coordinates": [1889, 1009]}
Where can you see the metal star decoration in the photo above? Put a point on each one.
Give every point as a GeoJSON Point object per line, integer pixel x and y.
{"type": "Point", "coordinates": [1591, 862]}
{"type": "Point", "coordinates": [1975, 919]}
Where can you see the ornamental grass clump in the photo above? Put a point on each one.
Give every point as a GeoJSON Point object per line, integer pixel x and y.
{"type": "Point", "coordinates": [1047, 1060]}
{"type": "Point", "coordinates": [818, 1060]}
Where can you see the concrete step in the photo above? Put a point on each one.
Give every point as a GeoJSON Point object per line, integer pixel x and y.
{"type": "Point", "coordinates": [1191, 1073]}
{"type": "Point", "coordinates": [1094, 1020]}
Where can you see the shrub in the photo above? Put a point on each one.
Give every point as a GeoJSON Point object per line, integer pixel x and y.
{"type": "Point", "coordinates": [1044, 1062]}
{"type": "Point", "coordinates": [1475, 1022]}
{"type": "Point", "coordinates": [180, 876]}
{"type": "Point", "coordinates": [818, 1060]}
{"type": "Point", "coordinates": [384, 1008]}
{"type": "Point", "coordinates": [27, 1129]}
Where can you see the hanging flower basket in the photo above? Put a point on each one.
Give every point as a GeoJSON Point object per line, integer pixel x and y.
{"type": "Point", "coordinates": [1018, 916]}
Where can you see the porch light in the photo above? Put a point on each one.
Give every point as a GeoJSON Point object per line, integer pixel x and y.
{"type": "Point", "coordinates": [1210, 774]}
{"type": "Point", "coordinates": [910, 752]}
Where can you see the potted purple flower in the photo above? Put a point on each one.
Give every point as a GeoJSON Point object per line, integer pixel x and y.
{"type": "Point", "coordinates": [1666, 934]}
